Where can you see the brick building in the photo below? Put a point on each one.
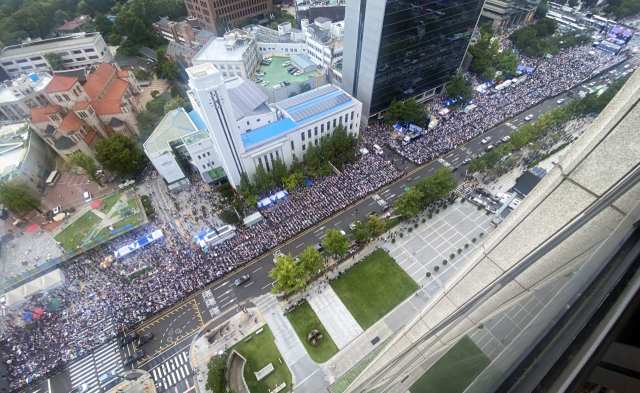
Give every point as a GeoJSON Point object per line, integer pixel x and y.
{"type": "Point", "coordinates": [84, 114]}
{"type": "Point", "coordinates": [230, 11]}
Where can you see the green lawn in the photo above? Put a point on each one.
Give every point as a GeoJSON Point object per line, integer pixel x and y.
{"type": "Point", "coordinates": [373, 287]}
{"type": "Point", "coordinates": [454, 371]}
{"type": "Point", "coordinates": [103, 233]}
{"type": "Point", "coordinates": [110, 201]}
{"type": "Point", "coordinates": [72, 236]}
{"type": "Point", "coordinates": [130, 204]}
{"type": "Point", "coordinates": [276, 73]}
{"type": "Point", "coordinates": [303, 319]}
{"type": "Point", "coordinates": [131, 220]}
{"type": "Point", "coordinates": [260, 351]}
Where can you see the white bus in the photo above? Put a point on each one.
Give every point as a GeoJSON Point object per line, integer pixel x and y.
{"type": "Point", "coordinates": [53, 178]}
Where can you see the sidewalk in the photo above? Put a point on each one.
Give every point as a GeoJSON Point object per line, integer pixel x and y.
{"type": "Point", "coordinates": [335, 317]}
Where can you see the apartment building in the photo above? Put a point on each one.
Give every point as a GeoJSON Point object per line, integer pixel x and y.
{"type": "Point", "coordinates": [173, 31]}
{"type": "Point", "coordinates": [77, 51]}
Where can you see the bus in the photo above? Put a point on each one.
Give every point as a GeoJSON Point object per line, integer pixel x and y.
{"type": "Point", "coordinates": [552, 14]}
{"type": "Point", "coordinates": [601, 22]}
{"type": "Point", "coordinates": [568, 19]}
{"type": "Point", "coordinates": [555, 5]}
{"type": "Point", "coordinates": [53, 178]}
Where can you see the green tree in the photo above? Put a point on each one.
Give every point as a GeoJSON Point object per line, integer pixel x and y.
{"type": "Point", "coordinates": [114, 39]}
{"type": "Point", "coordinates": [542, 10]}
{"type": "Point", "coordinates": [142, 75]}
{"type": "Point", "coordinates": [15, 197]}
{"type": "Point", "coordinates": [487, 28]}
{"type": "Point", "coordinates": [459, 87]}
{"type": "Point", "coordinates": [55, 61]}
{"type": "Point", "coordinates": [409, 203]}
{"type": "Point", "coordinates": [176, 103]}
{"type": "Point", "coordinates": [311, 262]}
{"type": "Point", "coordinates": [287, 275]}
{"type": "Point", "coordinates": [161, 59]}
{"type": "Point", "coordinates": [293, 180]}
{"type": "Point", "coordinates": [88, 164]}
{"type": "Point", "coordinates": [156, 106]}
{"type": "Point", "coordinates": [246, 188]}
{"type": "Point", "coordinates": [409, 111]}
{"type": "Point", "coordinates": [147, 122]}
{"type": "Point", "coordinates": [476, 165]}
{"type": "Point", "coordinates": [263, 180]}
{"type": "Point", "coordinates": [296, 166]}
{"type": "Point", "coordinates": [279, 172]}
{"type": "Point", "coordinates": [361, 232]}
{"type": "Point", "coordinates": [573, 3]}
{"type": "Point", "coordinates": [216, 375]}
{"type": "Point", "coordinates": [178, 91]}
{"type": "Point", "coordinates": [229, 216]}
{"type": "Point", "coordinates": [311, 157]}
{"type": "Point", "coordinates": [120, 154]}
{"type": "Point", "coordinates": [376, 226]}
{"type": "Point", "coordinates": [595, 11]}
{"type": "Point", "coordinates": [335, 242]}
{"type": "Point", "coordinates": [128, 48]}
{"type": "Point", "coordinates": [489, 74]}
{"type": "Point", "coordinates": [170, 70]}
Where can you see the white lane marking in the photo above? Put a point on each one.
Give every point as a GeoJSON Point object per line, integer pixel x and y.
{"type": "Point", "coordinates": [319, 229]}
{"type": "Point", "coordinates": [266, 286]}
{"type": "Point", "coordinates": [337, 222]}
{"type": "Point", "coordinates": [301, 244]}
{"type": "Point", "coordinates": [221, 285]}
{"type": "Point", "coordinates": [257, 269]}
{"type": "Point", "coordinates": [249, 284]}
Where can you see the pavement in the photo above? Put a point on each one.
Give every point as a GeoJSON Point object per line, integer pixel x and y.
{"type": "Point", "coordinates": [340, 324]}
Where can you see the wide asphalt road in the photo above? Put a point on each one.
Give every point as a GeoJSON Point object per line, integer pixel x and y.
{"type": "Point", "coordinates": [173, 330]}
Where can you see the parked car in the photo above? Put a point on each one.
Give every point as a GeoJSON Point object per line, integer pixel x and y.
{"type": "Point", "coordinates": [87, 197]}
{"type": "Point", "coordinates": [489, 148]}
{"type": "Point", "coordinates": [483, 191]}
{"type": "Point", "coordinates": [297, 73]}
{"type": "Point", "coordinates": [132, 358]}
{"type": "Point", "coordinates": [318, 247]}
{"type": "Point", "coordinates": [454, 168]}
{"type": "Point", "coordinates": [285, 83]}
{"type": "Point", "coordinates": [242, 279]}
{"type": "Point", "coordinates": [264, 83]}
{"type": "Point", "coordinates": [476, 201]}
{"type": "Point", "coordinates": [466, 160]}
{"type": "Point", "coordinates": [260, 73]}
{"type": "Point", "coordinates": [486, 140]}
{"type": "Point", "coordinates": [386, 207]}
{"type": "Point", "coordinates": [286, 64]}
{"type": "Point", "coordinates": [257, 80]}
{"type": "Point", "coordinates": [144, 339]}
{"type": "Point", "coordinates": [560, 101]}
{"type": "Point", "coordinates": [57, 209]}
{"type": "Point", "coordinates": [529, 117]}
{"type": "Point", "coordinates": [128, 338]}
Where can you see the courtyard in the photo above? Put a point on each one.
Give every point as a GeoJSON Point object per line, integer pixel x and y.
{"type": "Point", "coordinates": [276, 73]}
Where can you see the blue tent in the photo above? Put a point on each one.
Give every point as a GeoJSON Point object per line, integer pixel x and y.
{"type": "Point", "coordinates": [400, 128]}
{"type": "Point", "coordinates": [309, 182]}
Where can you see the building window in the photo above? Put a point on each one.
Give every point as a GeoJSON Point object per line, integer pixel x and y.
{"type": "Point", "coordinates": [316, 142]}
{"type": "Point", "coordinates": [21, 61]}
{"type": "Point", "coordinates": [231, 73]}
{"type": "Point", "coordinates": [93, 57]}
{"type": "Point", "coordinates": [7, 63]}
{"type": "Point", "coordinates": [68, 60]}
{"type": "Point", "coordinates": [36, 58]}
{"type": "Point", "coordinates": [322, 128]}
{"type": "Point", "coordinates": [204, 167]}
{"type": "Point", "coordinates": [334, 123]}
{"type": "Point", "coordinates": [89, 50]}
{"type": "Point", "coordinates": [351, 126]}
{"type": "Point", "coordinates": [339, 121]}
{"type": "Point", "coordinates": [351, 115]}
{"type": "Point", "coordinates": [80, 59]}
{"type": "Point", "coordinates": [328, 126]}
{"type": "Point", "coordinates": [309, 131]}
{"type": "Point", "coordinates": [75, 52]}
{"type": "Point", "coordinates": [267, 163]}
{"type": "Point", "coordinates": [303, 147]}
{"type": "Point", "coordinates": [224, 74]}
{"type": "Point", "coordinates": [292, 148]}
{"type": "Point", "coordinates": [271, 155]}
{"type": "Point", "coordinates": [277, 155]}
{"type": "Point", "coordinates": [302, 136]}
{"type": "Point", "coordinates": [315, 131]}
{"type": "Point", "coordinates": [259, 161]}
{"type": "Point", "coordinates": [66, 97]}
{"type": "Point", "coordinates": [58, 98]}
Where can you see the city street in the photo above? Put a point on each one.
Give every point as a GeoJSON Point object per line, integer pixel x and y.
{"type": "Point", "coordinates": [166, 354]}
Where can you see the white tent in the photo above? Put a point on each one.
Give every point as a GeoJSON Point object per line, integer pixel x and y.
{"type": "Point", "coordinates": [41, 283]}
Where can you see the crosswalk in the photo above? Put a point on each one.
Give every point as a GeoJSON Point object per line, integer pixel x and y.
{"type": "Point", "coordinates": [102, 360]}
{"type": "Point", "coordinates": [171, 371]}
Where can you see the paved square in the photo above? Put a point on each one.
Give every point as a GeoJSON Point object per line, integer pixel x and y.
{"type": "Point", "coordinates": [421, 250]}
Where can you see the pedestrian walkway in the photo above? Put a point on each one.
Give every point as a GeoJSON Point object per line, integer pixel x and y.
{"type": "Point", "coordinates": [88, 370]}
{"type": "Point", "coordinates": [171, 371]}
{"type": "Point", "coordinates": [307, 375]}
{"type": "Point", "coordinates": [335, 317]}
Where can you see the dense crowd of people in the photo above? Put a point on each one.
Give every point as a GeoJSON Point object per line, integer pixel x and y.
{"type": "Point", "coordinates": [100, 301]}
{"type": "Point", "coordinates": [549, 78]}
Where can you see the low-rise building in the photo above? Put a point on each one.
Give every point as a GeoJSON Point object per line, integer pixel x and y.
{"type": "Point", "coordinates": [508, 12]}
{"type": "Point", "coordinates": [235, 54]}
{"type": "Point", "coordinates": [286, 41]}
{"type": "Point", "coordinates": [248, 131]}
{"type": "Point", "coordinates": [181, 32]}
{"type": "Point", "coordinates": [181, 53]}
{"type": "Point", "coordinates": [81, 115]}
{"type": "Point", "coordinates": [18, 96]}
{"type": "Point", "coordinates": [324, 41]}
{"type": "Point", "coordinates": [180, 140]}
{"type": "Point", "coordinates": [73, 26]}
{"type": "Point", "coordinates": [76, 50]}
{"type": "Point", "coordinates": [25, 158]}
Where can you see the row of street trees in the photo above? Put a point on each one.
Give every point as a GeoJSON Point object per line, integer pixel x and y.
{"type": "Point", "coordinates": [292, 274]}
{"type": "Point", "coordinates": [407, 112]}
{"type": "Point", "coordinates": [365, 231]}
{"type": "Point", "coordinates": [426, 191]}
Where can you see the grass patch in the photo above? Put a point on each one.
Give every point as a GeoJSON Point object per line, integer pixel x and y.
{"type": "Point", "coordinates": [304, 319]}
{"type": "Point", "coordinates": [109, 202]}
{"type": "Point", "coordinates": [131, 220]}
{"type": "Point", "coordinates": [373, 287]}
{"type": "Point", "coordinates": [455, 371]}
{"type": "Point", "coordinates": [103, 233]}
{"type": "Point", "coordinates": [393, 222]}
{"type": "Point", "coordinates": [73, 235]}
{"type": "Point", "coordinates": [260, 351]}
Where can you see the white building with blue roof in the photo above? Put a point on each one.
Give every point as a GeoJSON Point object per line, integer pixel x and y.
{"type": "Point", "coordinates": [248, 130]}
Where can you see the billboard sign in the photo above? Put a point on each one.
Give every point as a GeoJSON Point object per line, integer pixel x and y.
{"type": "Point", "coordinates": [168, 167]}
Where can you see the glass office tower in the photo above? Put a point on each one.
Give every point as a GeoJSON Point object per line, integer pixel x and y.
{"type": "Point", "coordinates": [396, 49]}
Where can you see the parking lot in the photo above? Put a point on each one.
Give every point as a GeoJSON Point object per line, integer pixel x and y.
{"type": "Point", "coordinates": [275, 73]}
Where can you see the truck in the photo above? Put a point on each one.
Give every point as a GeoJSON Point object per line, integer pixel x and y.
{"type": "Point", "coordinates": [217, 236]}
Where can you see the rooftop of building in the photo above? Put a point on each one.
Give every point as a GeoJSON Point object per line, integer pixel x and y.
{"type": "Point", "coordinates": [302, 61]}
{"type": "Point", "coordinates": [21, 87]}
{"type": "Point", "coordinates": [267, 132]}
{"type": "Point", "coordinates": [134, 61]}
{"type": "Point", "coordinates": [314, 104]}
{"type": "Point", "coordinates": [79, 73]}
{"type": "Point", "coordinates": [12, 154]}
{"type": "Point", "coordinates": [174, 125]}
{"type": "Point", "coordinates": [175, 49]}
{"type": "Point", "coordinates": [265, 34]}
{"type": "Point", "coordinates": [203, 33]}
{"type": "Point", "coordinates": [276, 73]}
{"type": "Point", "coordinates": [49, 44]}
{"type": "Point", "coordinates": [231, 47]}
{"type": "Point", "coordinates": [99, 78]}
{"type": "Point", "coordinates": [197, 120]}
{"type": "Point", "coordinates": [75, 23]}
{"type": "Point", "coordinates": [246, 98]}
{"type": "Point", "coordinates": [148, 52]}
{"type": "Point", "coordinates": [60, 83]}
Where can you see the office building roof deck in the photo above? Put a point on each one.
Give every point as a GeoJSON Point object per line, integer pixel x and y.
{"type": "Point", "coordinates": [175, 124]}
{"type": "Point", "coordinates": [276, 73]}
{"type": "Point", "coordinates": [314, 104]}
{"type": "Point", "coordinates": [229, 48]}
{"type": "Point", "coordinates": [246, 98]}
{"type": "Point", "coordinates": [263, 133]}
{"type": "Point", "coordinates": [49, 44]}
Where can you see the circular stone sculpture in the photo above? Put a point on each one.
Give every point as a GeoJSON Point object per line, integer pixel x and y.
{"type": "Point", "coordinates": [314, 337]}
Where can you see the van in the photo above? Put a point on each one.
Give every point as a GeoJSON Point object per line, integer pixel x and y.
{"type": "Point", "coordinates": [53, 178]}
{"type": "Point", "coordinates": [87, 197]}
{"type": "Point", "coordinates": [514, 204]}
{"type": "Point", "coordinates": [104, 378]}
{"type": "Point", "coordinates": [378, 149]}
